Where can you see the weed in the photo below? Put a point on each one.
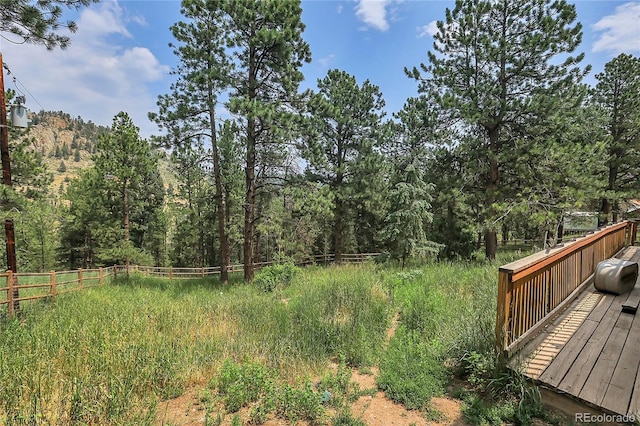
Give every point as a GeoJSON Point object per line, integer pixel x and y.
{"type": "Point", "coordinates": [240, 385]}
{"type": "Point", "coordinates": [345, 418]}
{"type": "Point", "coordinates": [411, 372]}
{"type": "Point", "coordinates": [299, 403]}
{"type": "Point", "coordinates": [278, 275]}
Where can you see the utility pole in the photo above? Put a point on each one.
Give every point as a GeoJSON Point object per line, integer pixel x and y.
{"type": "Point", "coordinates": [6, 180]}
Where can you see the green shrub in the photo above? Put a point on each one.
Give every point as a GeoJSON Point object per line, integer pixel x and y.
{"type": "Point", "coordinates": [412, 371]}
{"type": "Point", "coordinates": [299, 403]}
{"type": "Point", "coordinates": [241, 384]}
{"type": "Point", "coordinates": [278, 275]}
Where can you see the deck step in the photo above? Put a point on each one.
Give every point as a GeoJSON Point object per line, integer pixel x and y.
{"type": "Point", "coordinates": [633, 301]}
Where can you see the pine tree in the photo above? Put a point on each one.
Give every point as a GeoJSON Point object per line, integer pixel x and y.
{"type": "Point", "coordinates": [344, 128]}
{"type": "Point", "coordinates": [124, 160]}
{"type": "Point", "coordinates": [37, 22]}
{"type": "Point", "coordinates": [497, 67]}
{"type": "Point", "coordinates": [265, 40]}
{"type": "Point", "coordinates": [617, 93]}
{"type": "Point", "coordinates": [203, 71]}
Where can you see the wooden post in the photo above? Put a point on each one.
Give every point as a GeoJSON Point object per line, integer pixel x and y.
{"type": "Point", "coordinates": [170, 273]}
{"type": "Point", "coordinates": [502, 313]}
{"type": "Point", "coordinates": [115, 272]}
{"type": "Point", "coordinates": [52, 284]}
{"type": "Point", "coordinates": [99, 276]}
{"type": "Point", "coordinates": [203, 272]}
{"type": "Point", "coordinates": [12, 263]}
{"type": "Point", "coordinates": [10, 290]}
{"type": "Point", "coordinates": [80, 278]}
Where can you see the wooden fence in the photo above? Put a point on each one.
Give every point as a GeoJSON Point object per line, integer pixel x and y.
{"type": "Point", "coordinates": [32, 286]}
{"type": "Point", "coordinates": [531, 291]}
{"type": "Point", "coordinates": [186, 273]}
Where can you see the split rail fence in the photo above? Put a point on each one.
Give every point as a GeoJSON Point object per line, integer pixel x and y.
{"type": "Point", "coordinates": [533, 290]}
{"type": "Point", "coordinates": [27, 286]}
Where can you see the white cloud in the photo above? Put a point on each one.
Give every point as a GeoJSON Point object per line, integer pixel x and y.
{"type": "Point", "coordinates": [620, 31]}
{"type": "Point", "coordinates": [326, 61]}
{"type": "Point", "coordinates": [101, 73]}
{"type": "Point", "coordinates": [430, 29]}
{"type": "Point", "coordinates": [373, 13]}
{"type": "Point", "coordinates": [105, 20]}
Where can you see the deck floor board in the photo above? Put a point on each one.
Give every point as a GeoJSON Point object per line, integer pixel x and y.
{"type": "Point", "coordinates": [591, 351]}
{"type": "Point", "coordinates": [622, 381]}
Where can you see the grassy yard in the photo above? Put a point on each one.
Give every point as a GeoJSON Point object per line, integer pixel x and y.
{"type": "Point", "coordinates": [109, 355]}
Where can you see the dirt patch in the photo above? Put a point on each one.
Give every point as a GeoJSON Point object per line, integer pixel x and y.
{"type": "Point", "coordinates": [378, 410]}
{"type": "Point", "coordinates": [395, 321]}
{"type": "Point", "coordinates": [373, 409]}
{"type": "Point", "coordinates": [185, 410]}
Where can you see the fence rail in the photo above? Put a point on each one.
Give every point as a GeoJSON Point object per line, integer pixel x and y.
{"type": "Point", "coordinates": [32, 286]}
{"type": "Point", "coordinates": [531, 291]}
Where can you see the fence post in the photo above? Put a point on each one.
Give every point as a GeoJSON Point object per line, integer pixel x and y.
{"type": "Point", "coordinates": [170, 273]}
{"type": "Point", "coordinates": [203, 272]}
{"type": "Point", "coordinates": [99, 276]}
{"type": "Point", "coordinates": [115, 272]}
{"type": "Point", "coordinates": [52, 284]}
{"type": "Point", "coordinates": [80, 278]}
{"type": "Point", "coordinates": [10, 292]}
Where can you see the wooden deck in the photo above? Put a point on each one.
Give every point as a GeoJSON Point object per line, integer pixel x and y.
{"type": "Point", "coordinates": [591, 351]}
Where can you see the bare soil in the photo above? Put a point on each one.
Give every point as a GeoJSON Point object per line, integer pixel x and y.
{"type": "Point", "coordinates": [376, 410]}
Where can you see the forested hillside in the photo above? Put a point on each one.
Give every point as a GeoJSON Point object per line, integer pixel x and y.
{"type": "Point", "coordinates": [502, 140]}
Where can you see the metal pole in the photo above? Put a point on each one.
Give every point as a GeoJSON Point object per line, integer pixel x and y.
{"type": "Point", "coordinates": [6, 180]}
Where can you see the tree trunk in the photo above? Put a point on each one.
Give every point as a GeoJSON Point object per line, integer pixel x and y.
{"type": "Point", "coordinates": [338, 232]}
{"type": "Point", "coordinates": [125, 200]}
{"type": "Point", "coordinates": [490, 244]}
{"type": "Point", "coordinates": [505, 234]}
{"type": "Point", "coordinates": [220, 207]}
{"type": "Point", "coordinates": [250, 169]}
{"type": "Point", "coordinates": [491, 238]}
{"type": "Point", "coordinates": [605, 209]}
{"type": "Point", "coordinates": [250, 201]}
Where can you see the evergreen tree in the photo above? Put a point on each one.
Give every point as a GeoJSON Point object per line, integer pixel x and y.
{"type": "Point", "coordinates": [124, 160]}
{"type": "Point", "coordinates": [497, 66]}
{"type": "Point", "coordinates": [265, 41]}
{"type": "Point", "coordinates": [189, 112]}
{"type": "Point", "coordinates": [344, 128]}
{"type": "Point", "coordinates": [62, 167]}
{"type": "Point", "coordinates": [617, 93]}
{"type": "Point", "coordinates": [36, 22]}
{"type": "Point", "coordinates": [410, 196]}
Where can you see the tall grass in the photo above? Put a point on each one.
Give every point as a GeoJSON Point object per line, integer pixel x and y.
{"type": "Point", "coordinates": [107, 355]}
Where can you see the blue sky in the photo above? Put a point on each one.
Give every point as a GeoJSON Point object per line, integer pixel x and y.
{"type": "Point", "coordinates": [119, 60]}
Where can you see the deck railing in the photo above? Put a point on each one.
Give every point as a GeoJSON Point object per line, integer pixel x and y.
{"type": "Point", "coordinates": [531, 291]}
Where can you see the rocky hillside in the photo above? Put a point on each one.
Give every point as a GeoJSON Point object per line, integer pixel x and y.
{"type": "Point", "coordinates": [67, 145]}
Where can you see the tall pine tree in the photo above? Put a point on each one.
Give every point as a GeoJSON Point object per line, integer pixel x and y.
{"type": "Point", "coordinates": [496, 66]}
